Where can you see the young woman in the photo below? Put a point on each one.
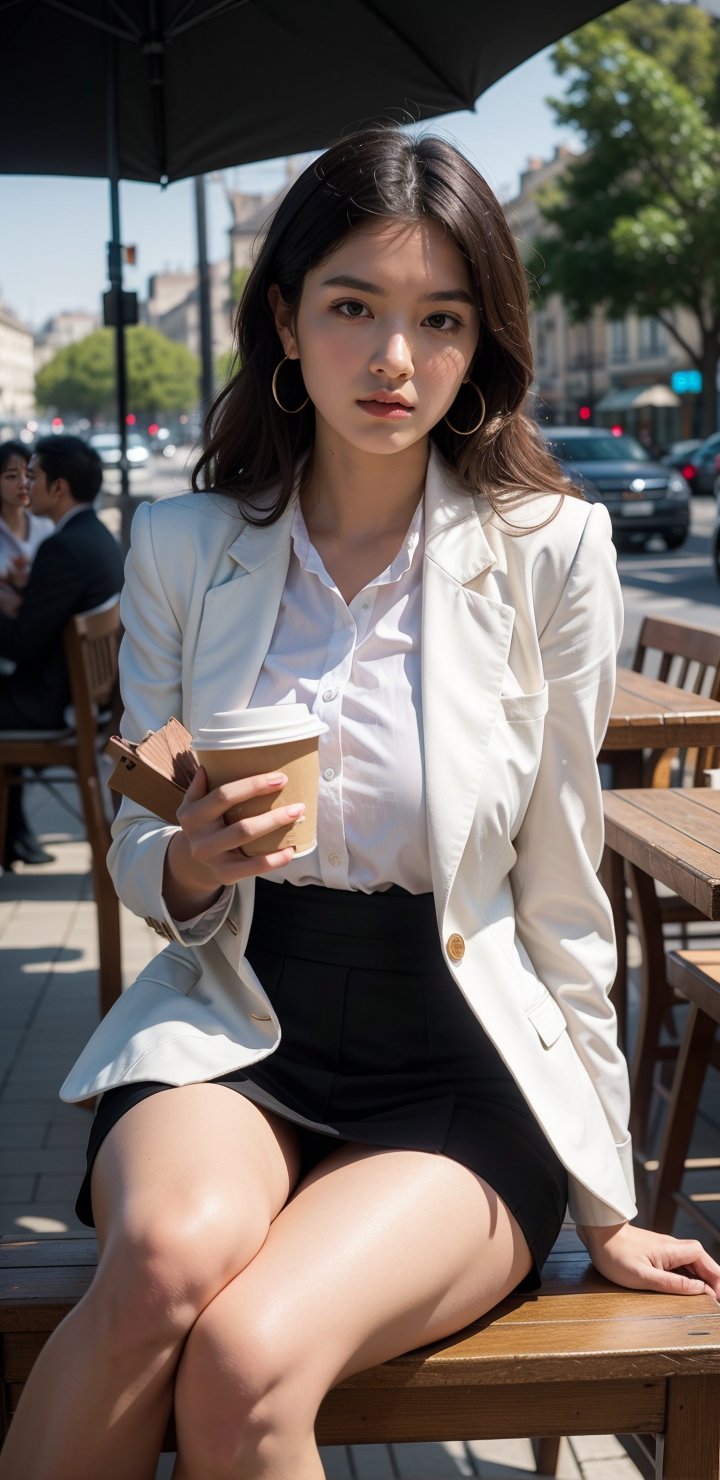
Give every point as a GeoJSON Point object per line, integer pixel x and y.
{"type": "Point", "coordinates": [21, 531]}
{"type": "Point", "coordinates": [383, 538]}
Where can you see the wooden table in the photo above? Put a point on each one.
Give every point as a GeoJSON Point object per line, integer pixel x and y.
{"type": "Point", "coordinates": [650, 715]}
{"type": "Point", "coordinates": [671, 835]}
{"type": "Point", "coordinates": [646, 715]}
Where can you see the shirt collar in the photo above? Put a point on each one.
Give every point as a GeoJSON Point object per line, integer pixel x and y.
{"type": "Point", "coordinates": [309, 559]}
{"type": "Point", "coordinates": [79, 509]}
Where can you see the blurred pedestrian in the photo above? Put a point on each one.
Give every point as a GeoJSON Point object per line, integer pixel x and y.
{"type": "Point", "coordinates": [21, 531]}
{"type": "Point", "coordinates": [78, 568]}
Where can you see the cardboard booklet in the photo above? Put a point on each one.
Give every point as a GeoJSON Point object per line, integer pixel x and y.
{"type": "Point", "coordinates": [156, 771]}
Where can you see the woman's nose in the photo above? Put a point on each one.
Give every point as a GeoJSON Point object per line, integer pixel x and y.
{"type": "Point", "coordinates": [394, 357]}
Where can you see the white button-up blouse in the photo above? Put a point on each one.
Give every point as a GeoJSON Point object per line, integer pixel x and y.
{"type": "Point", "coordinates": [357, 667]}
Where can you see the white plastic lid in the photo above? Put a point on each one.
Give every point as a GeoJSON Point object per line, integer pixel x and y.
{"type": "Point", "coordinates": [242, 728]}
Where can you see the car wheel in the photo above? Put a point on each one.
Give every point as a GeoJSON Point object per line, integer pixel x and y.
{"type": "Point", "coordinates": [674, 541]}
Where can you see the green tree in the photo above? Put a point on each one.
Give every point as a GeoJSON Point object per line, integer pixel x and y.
{"type": "Point", "coordinates": [162, 376]}
{"type": "Point", "coordinates": [238, 279]}
{"type": "Point", "coordinates": [635, 221]}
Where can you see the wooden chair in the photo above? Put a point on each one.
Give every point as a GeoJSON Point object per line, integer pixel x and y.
{"type": "Point", "coordinates": [689, 658]}
{"type": "Point", "coordinates": [696, 975]}
{"type": "Point", "coordinates": [91, 643]}
{"type": "Point", "coordinates": [578, 1356]}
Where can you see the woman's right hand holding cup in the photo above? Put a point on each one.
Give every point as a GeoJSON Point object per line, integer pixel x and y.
{"type": "Point", "coordinates": [206, 854]}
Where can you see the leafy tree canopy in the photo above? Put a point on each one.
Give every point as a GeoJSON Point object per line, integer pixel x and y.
{"type": "Point", "coordinates": [635, 221]}
{"type": "Point", "coordinates": [80, 379]}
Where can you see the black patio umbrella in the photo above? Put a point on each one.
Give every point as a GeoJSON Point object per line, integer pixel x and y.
{"type": "Point", "coordinates": [158, 90]}
{"type": "Point", "coordinates": [202, 84]}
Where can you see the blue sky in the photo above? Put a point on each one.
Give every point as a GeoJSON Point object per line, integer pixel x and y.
{"type": "Point", "coordinates": [54, 231]}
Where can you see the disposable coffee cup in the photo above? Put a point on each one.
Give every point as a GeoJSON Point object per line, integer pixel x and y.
{"type": "Point", "coordinates": [249, 742]}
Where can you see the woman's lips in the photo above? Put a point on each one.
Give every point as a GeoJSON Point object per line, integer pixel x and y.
{"type": "Point", "coordinates": [390, 410]}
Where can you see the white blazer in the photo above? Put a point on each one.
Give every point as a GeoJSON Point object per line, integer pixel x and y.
{"type": "Point", "coordinates": [519, 638]}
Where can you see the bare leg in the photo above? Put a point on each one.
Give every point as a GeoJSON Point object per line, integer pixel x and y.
{"type": "Point", "coordinates": [184, 1190]}
{"type": "Point", "coordinates": [378, 1252]}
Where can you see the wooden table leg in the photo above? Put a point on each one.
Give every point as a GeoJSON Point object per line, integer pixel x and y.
{"type": "Point", "coordinates": [626, 772]}
{"type": "Point", "coordinates": [691, 1447]}
{"type": "Point", "coordinates": [612, 878]}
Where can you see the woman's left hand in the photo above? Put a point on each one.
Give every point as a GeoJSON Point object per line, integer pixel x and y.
{"type": "Point", "coordinates": [642, 1260]}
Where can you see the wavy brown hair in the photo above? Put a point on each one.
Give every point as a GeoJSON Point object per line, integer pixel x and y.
{"type": "Point", "coordinates": [250, 444]}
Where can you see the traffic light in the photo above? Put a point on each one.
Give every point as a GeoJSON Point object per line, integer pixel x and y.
{"type": "Point", "coordinates": [585, 413]}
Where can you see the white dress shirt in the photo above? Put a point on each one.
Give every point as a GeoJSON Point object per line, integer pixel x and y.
{"type": "Point", "coordinates": [357, 667]}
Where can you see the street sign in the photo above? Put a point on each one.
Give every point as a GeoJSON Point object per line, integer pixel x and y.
{"type": "Point", "coordinates": [686, 382]}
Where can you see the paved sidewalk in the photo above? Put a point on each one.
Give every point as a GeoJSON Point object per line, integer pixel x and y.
{"type": "Point", "coordinates": [48, 1007]}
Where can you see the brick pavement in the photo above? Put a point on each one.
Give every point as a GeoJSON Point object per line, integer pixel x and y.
{"type": "Point", "coordinates": [48, 1006]}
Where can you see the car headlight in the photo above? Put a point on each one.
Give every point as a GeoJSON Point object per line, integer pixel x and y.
{"type": "Point", "coordinates": [678, 487]}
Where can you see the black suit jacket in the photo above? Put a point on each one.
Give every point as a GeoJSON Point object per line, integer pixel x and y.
{"type": "Point", "coordinates": [74, 570]}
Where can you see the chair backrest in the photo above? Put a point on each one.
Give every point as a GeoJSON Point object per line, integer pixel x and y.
{"type": "Point", "coordinates": [688, 657]}
{"type": "Point", "coordinates": [91, 641]}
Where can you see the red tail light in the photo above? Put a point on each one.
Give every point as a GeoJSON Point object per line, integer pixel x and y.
{"type": "Point", "coordinates": [689, 470]}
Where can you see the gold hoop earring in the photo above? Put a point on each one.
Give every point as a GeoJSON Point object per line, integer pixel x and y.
{"type": "Point", "coordinates": [288, 410]}
{"type": "Point", "coordinates": [479, 423]}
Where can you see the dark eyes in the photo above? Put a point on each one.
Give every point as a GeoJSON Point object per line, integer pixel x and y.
{"type": "Point", "coordinates": [352, 308]}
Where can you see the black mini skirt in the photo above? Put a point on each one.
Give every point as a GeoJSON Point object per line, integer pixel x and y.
{"type": "Point", "coordinates": [379, 1047]}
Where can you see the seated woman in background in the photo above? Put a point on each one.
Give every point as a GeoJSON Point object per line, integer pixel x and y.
{"type": "Point", "coordinates": [21, 531]}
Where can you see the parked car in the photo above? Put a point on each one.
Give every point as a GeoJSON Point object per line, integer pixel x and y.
{"type": "Point", "coordinates": [680, 455]}
{"type": "Point", "coordinates": [702, 465]}
{"type": "Point", "coordinates": [715, 537]}
{"type": "Point", "coordinates": [642, 497]}
{"type": "Point", "coordinates": [107, 446]}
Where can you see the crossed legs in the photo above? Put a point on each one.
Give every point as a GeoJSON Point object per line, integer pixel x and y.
{"type": "Point", "coordinates": [377, 1252]}
{"type": "Point", "coordinates": [218, 1285]}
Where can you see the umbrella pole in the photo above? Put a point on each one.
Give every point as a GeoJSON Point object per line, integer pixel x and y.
{"type": "Point", "coordinates": [207, 375]}
{"type": "Point", "coordinates": [116, 295]}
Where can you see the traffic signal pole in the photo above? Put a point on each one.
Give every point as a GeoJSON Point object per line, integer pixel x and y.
{"type": "Point", "coordinates": [115, 295]}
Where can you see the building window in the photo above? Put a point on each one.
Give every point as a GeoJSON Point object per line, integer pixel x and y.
{"type": "Point", "coordinates": [618, 339]}
{"type": "Point", "coordinates": [652, 338]}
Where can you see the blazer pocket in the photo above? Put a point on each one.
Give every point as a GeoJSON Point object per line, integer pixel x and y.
{"type": "Point", "coordinates": [547, 1019]}
{"type": "Point", "coordinates": [176, 968]}
{"type": "Point", "coordinates": [518, 707]}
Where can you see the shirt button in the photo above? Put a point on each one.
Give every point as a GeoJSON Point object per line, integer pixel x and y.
{"type": "Point", "coordinates": [456, 948]}
{"type": "Point", "coordinates": [334, 859]}
{"type": "Point", "coordinates": [328, 773]}
{"type": "Point", "coordinates": [365, 605]}
{"type": "Point", "coordinates": [329, 694]}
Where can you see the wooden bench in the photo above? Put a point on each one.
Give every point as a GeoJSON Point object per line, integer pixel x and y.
{"type": "Point", "coordinates": [577, 1357]}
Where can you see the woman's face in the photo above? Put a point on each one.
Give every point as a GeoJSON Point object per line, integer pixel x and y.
{"type": "Point", "coordinates": [386, 331]}
{"type": "Point", "coordinates": [14, 483]}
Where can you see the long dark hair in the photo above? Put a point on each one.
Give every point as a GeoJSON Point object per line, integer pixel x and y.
{"type": "Point", "coordinates": [250, 444]}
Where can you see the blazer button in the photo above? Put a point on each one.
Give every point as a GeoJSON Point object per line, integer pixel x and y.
{"type": "Point", "coordinates": [456, 948]}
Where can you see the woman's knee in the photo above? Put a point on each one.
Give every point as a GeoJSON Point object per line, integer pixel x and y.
{"type": "Point", "coordinates": [245, 1386]}
{"type": "Point", "coordinates": [158, 1272]}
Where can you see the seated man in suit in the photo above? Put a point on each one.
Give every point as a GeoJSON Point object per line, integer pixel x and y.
{"type": "Point", "coordinates": [79, 567]}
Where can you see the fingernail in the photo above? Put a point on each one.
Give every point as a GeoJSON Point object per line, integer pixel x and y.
{"type": "Point", "coordinates": [297, 809]}
{"type": "Point", "coordinates": [277, 779]}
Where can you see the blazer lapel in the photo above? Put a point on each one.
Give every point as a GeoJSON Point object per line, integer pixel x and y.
{"type": "Point", "coordinates": [465, 645]}
{"type": "Point", "coordinates": [238, 620]}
